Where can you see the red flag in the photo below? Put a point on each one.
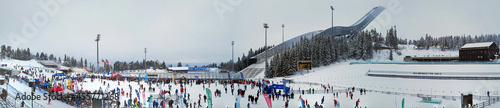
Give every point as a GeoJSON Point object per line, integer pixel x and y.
{"type": "Point", "coordinates": [107, 61]}
{"type": "Point", "coordinates": [103, 61]}
{"type": "Point", "coordinates": [164, 102]}
{"type": "Point", "coordinates": [268, 100]}
{"type": "Point", "coordinates": [97, 61]}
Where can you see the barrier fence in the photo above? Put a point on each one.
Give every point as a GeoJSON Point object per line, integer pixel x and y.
{"type": "Point", "coordinates": [12, 92]}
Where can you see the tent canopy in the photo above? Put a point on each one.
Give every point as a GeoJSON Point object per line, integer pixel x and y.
{"type": "Point", "coordinates": [59, 74]}
{"type": "Point", "coordinates": [57, 89]}
{"type": "Point", "coordinates": [45, 85]}
{"type": "Point", "coordinates": [37, 81]}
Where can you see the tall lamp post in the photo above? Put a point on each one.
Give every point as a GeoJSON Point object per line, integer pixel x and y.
{"type": "Point", "coordinates": [97, 40]}
{"type": "Point", "coordinates": [232, 56]}
{"type": "Point", "coordinates": [331, 7]}
{"type": "Point", "coordinates": [265, 46]}
{"type": "Point", "coordinates": [283, 33]}
{"type": "Point", "coordinates": [145, 60]}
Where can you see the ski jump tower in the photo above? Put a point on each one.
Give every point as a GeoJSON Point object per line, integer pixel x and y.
{"type": "Point", "coordinates": [332, 31]}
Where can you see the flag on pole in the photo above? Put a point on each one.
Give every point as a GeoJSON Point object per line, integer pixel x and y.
{"type": "Point", "coordinates": [237, 97]}
{"type": "Point", "coordinates": [109, 71]}
{"type": "Point", "coordinates": [209, 99]}
{"type": "Point", "coordinates": [69, 83]}
{"type": "Point", "coordinates": [107, 62]}
{"type": "Point", "coordinates": [146, 78]}
{"type": "Point", "coordinates": [103, 61]}
{"type": "Point", "coordinates": [181, 99]}
{"type": "Point", "coordinates": [242, 76]}
{"type": "Point", "coordinates": [268, 101]}
{"type": "Point", "coordinates": [158, 78]}
{"type": "Point", "coordinates": [403, 103]}
{"type": "Point", "coordinates": [144, 98]}
{"type": "Point", "coordinates": [164, 102]}
{"type": "Point", "coordinates": [139, 77]}
{"type": "Point", "coordinates": [150, 101]}
{"type": "Point", "coordinates": [138, 96]}
{"type": "Point", "coordinates": [303, 103]}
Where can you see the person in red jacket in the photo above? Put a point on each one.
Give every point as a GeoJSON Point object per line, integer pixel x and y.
{"type": "Point", "coordinates": [357, 103]}
{"type": "Point", "coordinates": [335, 102]}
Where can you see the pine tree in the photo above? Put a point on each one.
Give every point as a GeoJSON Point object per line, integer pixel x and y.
{"type": "Point", "coordinates": [390, 55]}
{"type": "Point", "coordinates": [179, 64]}
{"type": "Point", "coordinates": [3, 52]}
{"type": "Point", "coordinates": [85, 63]}
{"type": "Point", "coordinates": [9, 52]}
{"type": "Point", "coordinates": [81, 62]}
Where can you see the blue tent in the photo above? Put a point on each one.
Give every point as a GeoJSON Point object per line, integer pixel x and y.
{"type": "Point", "coordinates": [59, 74]}
{"type": "Point", "coordinates": [37, 81]}
{"type": "Point", "coordinates": [45, 85]}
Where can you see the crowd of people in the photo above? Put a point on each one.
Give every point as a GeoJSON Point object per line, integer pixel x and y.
{"type": "Point", "coordinates": [167, 97]}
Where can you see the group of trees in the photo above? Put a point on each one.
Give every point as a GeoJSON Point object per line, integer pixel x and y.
{"type": "Point", "coordinates": [323, 50]}
{"type": "Point", "coordinates": [20, 54]}
{"type": "Point", "coordinates": [452, 42]}
{"type": "Point", "coordinates": [25, 54]}
{"type": "Point", "coordinates": [123, 65]}
{"type": "Point", "coordinates": [241, 62]}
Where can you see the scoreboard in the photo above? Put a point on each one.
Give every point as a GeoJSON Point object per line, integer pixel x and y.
{"type": "Point", "coordinates": [304, 65]}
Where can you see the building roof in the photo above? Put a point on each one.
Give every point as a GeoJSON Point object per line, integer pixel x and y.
{"type": "Point", "coordinates": [477, 45]}
{"type": "Point", "coordinates": [47, 62]}
{"type": "Point", "coordinates": [178, 68]}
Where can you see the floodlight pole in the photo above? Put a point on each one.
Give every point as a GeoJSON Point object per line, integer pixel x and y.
{"type": "Point", "coordinates": [232, 56]}
{"type": "Point", "coordinates": [265, 46]}
{"type": "Point", "coordinates": [97, 40]}
{"type": "Point", "coordinates": [283, 33]}
{"type": "Point", "coordinates": [331, 7]}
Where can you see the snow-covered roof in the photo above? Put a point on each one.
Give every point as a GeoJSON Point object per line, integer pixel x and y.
{"type": "Point", "coordinates": [477, 45]}
{"type": "Point", "coordinates": [47, 62]}
{"type": "Point", "coordinates": [178, 68]}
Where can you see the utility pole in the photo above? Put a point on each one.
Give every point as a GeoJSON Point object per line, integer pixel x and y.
{"type": "Point", "coordinates": [145, 60]}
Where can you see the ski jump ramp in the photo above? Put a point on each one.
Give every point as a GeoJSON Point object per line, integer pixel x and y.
{"type": "Point", "coordinates": [333, 31]}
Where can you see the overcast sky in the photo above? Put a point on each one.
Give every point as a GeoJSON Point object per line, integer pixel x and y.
{"type": "Point", "coordinates": [201, 31]}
